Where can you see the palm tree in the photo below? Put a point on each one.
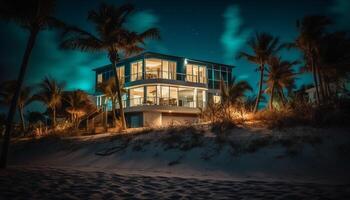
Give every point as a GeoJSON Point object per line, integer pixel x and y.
{"type": "Point", "coordinates": [34, 16]}
{"type": "Point", "coordinates": [111, 37]}
{"type": "Point", "coordinates": [264, 46]}
{"type": "Point", "coordinates": [311, 30]}
{"type": "Point", "coordinates": [50, 93]}
{"type": "Point", "coordinates": [6, 94]}
{"type": "Point", "coordinates": [79, 104]}
{"type": "Point", "coordinates": [280, 75]}
{"type": "Point", "coordinates": [235, 92]}
{"type": "Point", "coordinates": [334, 60]}
{"type": "Point", "coordinates": [110, 90]}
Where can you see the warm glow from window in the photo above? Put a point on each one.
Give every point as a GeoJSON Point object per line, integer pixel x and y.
{"type": "Point", "coordinates": [157, 68]}
{"type": "Point", "coordinates": [196, 73]}
{"type": "Point", "coordinates": [99, 78]}
{"type": "Point", "coordinates": [121, 74]}
{"type": "Point", "coordinates": [136, 96]}
{"type": "Point", "coordinates": [136, 71]}
{"type": "Point", "coordinates": [216, 99]}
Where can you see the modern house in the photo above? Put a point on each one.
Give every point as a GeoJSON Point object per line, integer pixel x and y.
{"type": "Point", "coordinates": [163, 89]}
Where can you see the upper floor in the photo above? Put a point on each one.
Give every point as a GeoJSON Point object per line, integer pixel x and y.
{"type": "Point", "coordinates": [155, 68]}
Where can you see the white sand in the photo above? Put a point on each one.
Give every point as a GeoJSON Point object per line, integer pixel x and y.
{"type": "Point", "coordinates": [74, 168]}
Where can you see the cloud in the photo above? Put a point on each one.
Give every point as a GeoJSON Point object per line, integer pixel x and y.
{"type": "Point", "coordinates": [141, 21]}
{"type": "Point", "coordinates": [341, 10]}
{"type": "Point", "coordinates": [233, 37]}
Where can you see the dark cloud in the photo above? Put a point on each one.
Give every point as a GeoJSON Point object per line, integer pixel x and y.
{"type": "Point", "coordinates": [233, 37]}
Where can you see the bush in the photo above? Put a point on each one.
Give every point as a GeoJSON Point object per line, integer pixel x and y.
{"type": "Point", "coordinates": [183, 138]}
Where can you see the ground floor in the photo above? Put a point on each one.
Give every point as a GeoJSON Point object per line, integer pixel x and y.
{"type": "Point", "coordinates": [160, 119]}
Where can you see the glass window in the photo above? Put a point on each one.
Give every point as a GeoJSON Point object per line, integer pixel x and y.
{"type": "Point", "coordinates": [217, 75]}
{"type": "Point", "coordinates": [196, 73]}
{"type": "Point", "coordinates": [202, 75]}
{"type": "Point", "coordinates": [164, 98]}
{"type": "Point", "coordinates": [151, 93]}
{"type": "Point", "coordinates": [216, 98]}
{"type": "Point", "coordinates": [136, 96]}
{"type": "Point", "coordinates": [136, 71]}
{"type": "Point", "coordinates": [186, 97]}
{"type": "Point", "coordinates": [224, 75]}
{"type": "Point", "coordinates": [172, 70]}
{"type": "Point", "coordinates": [165, 70]}
{"type": "Point", "coordinates": [210, 73]}
{"type": "Point", "coordinates": [121, 74]}
{"type": "Point", "coordinates": [153, 68]}
{"type": "Point", "coordinates": [99, 78]}
{"type": "Point", "coordinates": [189, 73]}
{"type": "Point", "coordinates": [173, 96]}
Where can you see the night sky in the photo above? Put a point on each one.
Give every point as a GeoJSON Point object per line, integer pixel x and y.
{"type": "Point", "coordinates": [208, 30]}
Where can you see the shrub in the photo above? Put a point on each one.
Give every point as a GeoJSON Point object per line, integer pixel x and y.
{"type": "Point", "coordinates": [183, 138]}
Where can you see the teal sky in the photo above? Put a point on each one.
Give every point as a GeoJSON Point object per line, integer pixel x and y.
{"type": "Point", "coordinates": [208, 30]}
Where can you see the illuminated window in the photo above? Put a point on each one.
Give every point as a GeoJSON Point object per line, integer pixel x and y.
{"type": "Point", "coordinates": [151, 93]}
{"type": "Point", "coordinates": [186, 97]}
{"type": "Point", "coordinates": [157, 68]}
{"type": "Point", "coordinates": [99, 78]}
{"type": "Point", "coordinates": [136, 71]}
{"type": "Point", "coordinates": [121, 74]}
{"type": "Point", "coordinates": [196, 73]}
{"type": "Point", "coordinates": [136, 96]}
{"type": "Point", "coordinates": [216, 98]}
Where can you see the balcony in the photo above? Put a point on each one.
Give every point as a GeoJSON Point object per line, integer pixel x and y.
{"type": "Point", "coordinates": [157, 76]}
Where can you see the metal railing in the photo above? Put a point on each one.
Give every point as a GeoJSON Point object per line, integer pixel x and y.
{"type": "Point", "coordinates": [183, 102]}
{"type": "Point", "coordinates": [158, 74]}
{"type": "Point", "coordinates": [162, 101]}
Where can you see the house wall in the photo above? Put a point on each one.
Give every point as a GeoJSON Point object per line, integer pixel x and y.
{"type": "Point", "coordinates": [178, 119]}
{"type": "Point", "coordinates": [152, 119]}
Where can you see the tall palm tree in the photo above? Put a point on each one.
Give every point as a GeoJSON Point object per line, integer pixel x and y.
{"type": "Point", "coordinates": [334, 60]}
{"type": "Point", "coordinates": [34, 16]}
{"type": "Point", "coordinates": [50, 93]}
{"type": "Point", "coordinates": [112, 37]}
{"type": "Point", "coordinates": [7, 89]}
{"type": "Point", "coordinates": [264, 46]}
{"type": "Point", "coordinates": [79, 104]}
{"type": "Point", "coordinates": [110, 90]}
{"type": "Point", "coordinates": [235, 92]}
{"type": "Point", "coordinates": [311, 30]}
{"type": "Point", "coordinates": [280, 75]}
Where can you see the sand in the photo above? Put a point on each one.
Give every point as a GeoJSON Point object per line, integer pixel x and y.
{"type": "Point", "coordinates": [60, 183]}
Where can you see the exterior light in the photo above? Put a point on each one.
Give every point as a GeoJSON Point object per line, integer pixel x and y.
{"type": "Point", "coordinates": [185, 62]}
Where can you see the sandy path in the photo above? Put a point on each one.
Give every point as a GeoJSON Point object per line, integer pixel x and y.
{"type": "Point", "coordinates": [57, 183]}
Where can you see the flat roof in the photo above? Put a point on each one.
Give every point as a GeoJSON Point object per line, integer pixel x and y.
{"type": "Point", "coordinates": [161, 54]}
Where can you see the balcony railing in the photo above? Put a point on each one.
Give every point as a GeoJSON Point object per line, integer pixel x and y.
{"type": "Point", "coordinates": [141, 101]}
{"type": "Point", "coordinates": [157, 74]}
{"type": "Point", "coordinates": [149, 101]}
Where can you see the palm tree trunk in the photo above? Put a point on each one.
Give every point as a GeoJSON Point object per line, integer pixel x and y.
{"type": "Point", "coordinates": [321, 80]}
{"type": "Point", "coordinates": [260, 88]}
{"type": "Point", "coordinates": [13, 106]}
{"type": "Point", "coordinates": [119, 96]}
{"type": "Point", "coordinates": [113, 112]}
{"type": "Point", "coordinates": [314, 74]}
{"type": "Point", "coordinates": [283, 98]}
{"type": "Point", "coordinates": [20, 110]}
{"type": "Point", "coordinates": [271, 96]}
{"type": "Point", "coordinates": [54, 117]}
